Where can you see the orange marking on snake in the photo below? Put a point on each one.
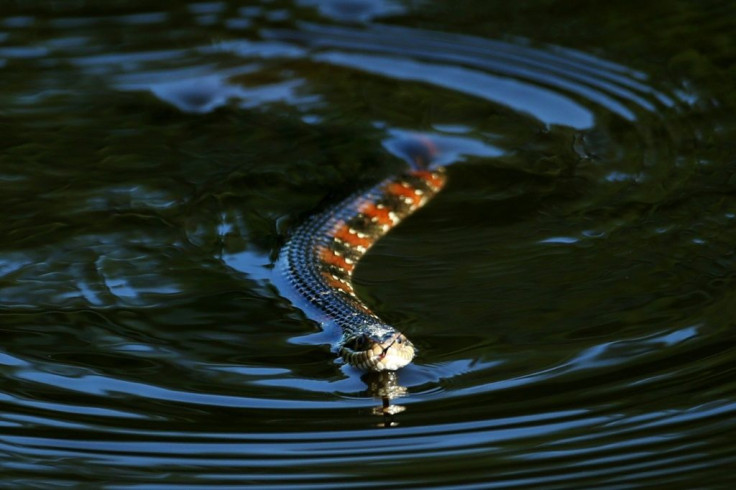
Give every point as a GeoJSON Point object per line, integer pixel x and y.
{"type": "Point", "coordinates": [337, 284]}
{"type": "Point", "coordinates": [381, 215]}
{"type": "Point", "coordinates": [329, 257]}
{"type": "Point", "coordinates": [435, 180]}
{"type": "Point", "coordinates": [343, 234]}
{"type": "Point", "coordinates": [404, 191]}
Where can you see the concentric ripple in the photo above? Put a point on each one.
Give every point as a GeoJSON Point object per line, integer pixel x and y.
{"type": "Point", "coordinates": [570, 291]}
{"type": "Point", "coordinates": [542, 83]}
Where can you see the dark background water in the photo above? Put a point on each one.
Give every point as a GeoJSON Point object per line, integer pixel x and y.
{"type": "Point", "coordinates": [571, 290]}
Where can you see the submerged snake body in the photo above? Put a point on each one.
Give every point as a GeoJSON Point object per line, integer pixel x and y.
{"type": "Point", "coordinates": [321, 255]}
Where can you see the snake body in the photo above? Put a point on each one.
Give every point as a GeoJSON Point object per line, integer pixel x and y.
{"type": "Point", "coordinates": [319, 259]}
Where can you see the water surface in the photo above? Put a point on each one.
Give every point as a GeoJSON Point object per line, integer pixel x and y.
{"type": "Point", "coordinates": [571, 291]}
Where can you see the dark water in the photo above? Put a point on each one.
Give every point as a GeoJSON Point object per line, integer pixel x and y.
{"type": "Point", "coordinates": [572, 290]}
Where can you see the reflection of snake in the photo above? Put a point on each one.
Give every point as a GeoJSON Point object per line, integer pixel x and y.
{"type": "Point", "coordinates": [320, 257]}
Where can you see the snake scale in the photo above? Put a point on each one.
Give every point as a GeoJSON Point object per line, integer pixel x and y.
{"type": "Point", "coordinates": [319, 258]}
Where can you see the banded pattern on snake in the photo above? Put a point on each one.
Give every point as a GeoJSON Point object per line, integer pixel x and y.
{"type": "Point", "coordinates": [319, 259]}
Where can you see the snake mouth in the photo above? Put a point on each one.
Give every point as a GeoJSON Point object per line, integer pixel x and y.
{"type": "Point", "coordinates": [385, 350]}
{"type": "Point", "coordinates": [378, 353]}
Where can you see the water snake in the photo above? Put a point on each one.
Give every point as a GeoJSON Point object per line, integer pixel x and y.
{"type": "Point", "coordinates": [319, 258]}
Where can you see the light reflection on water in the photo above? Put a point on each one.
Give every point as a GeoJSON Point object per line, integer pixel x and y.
{"type": "Point", "coordinates": [549, 107]}
{"type": "Point", "coordinates": [569, 291]}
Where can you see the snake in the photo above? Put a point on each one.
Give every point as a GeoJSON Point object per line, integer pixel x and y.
{"type": "Point", "coordinates": [321, 254]}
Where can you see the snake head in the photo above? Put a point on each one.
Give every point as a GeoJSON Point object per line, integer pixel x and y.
{"type": "Point", "coordinates": [381, 352]}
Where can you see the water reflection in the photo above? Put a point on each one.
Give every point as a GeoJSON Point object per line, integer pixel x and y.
{"type": "Point", "coordinates": [385, 387]}
{"type": "Point", "coordinates": [355, 10]}
{"type": "Point", "coordinates": [599, 81]}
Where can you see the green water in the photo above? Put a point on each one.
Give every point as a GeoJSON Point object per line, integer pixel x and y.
{"type": "Point", "coordinates": [571, 290]}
